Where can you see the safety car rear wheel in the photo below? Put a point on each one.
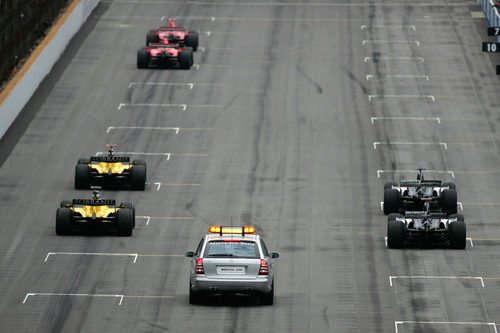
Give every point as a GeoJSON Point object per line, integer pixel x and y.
{"type": "Point", "coordinates": [142, 58]}
{"type": "Point", "coordinates": [138, 177]}
{"type": "Point", "coordinates": [449, 201]}
{"type": "Point", "coordinates": [395, 234]}
{"type": "Point", "coordinates": [268, 298]}
{"type": "Point", "coordinates": [392, 201]}
{"type": "Point", "coordinates": [63, 221]}
{"type": "Point", "coordinates": [457, 232]}
{"type": "Point", "coordinates": [192, 40]}
{"type": "Point", "coordinates": [194, 297]}
{"type": "Point", "coordinates": [185, 59]}
{"type": "Point", "coordinates": [82, 177]}
{"type": "Point", "coordinates": [124, 222]}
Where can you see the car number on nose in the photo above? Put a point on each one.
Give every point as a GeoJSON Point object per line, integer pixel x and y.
{"type": "Point", "coordinates": [230, 269]}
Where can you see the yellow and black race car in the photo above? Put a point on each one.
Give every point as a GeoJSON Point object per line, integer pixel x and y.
{"type": "Point", "coordinates": [95, 214]}
{"type": "Point", "coordinates": [110, 171]}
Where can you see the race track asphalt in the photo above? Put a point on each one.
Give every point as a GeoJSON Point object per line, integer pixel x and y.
{"type": "Point", "coordinates": [293, 109]}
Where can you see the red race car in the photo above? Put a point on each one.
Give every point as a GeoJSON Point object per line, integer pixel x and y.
{"type": "Point", "coordinates": [173, 34]}
{"type": "Point", "coordinates": [164, 55]}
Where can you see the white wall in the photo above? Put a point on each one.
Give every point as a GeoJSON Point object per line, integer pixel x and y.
{"type": "Point", "coordinates": [43, 65]}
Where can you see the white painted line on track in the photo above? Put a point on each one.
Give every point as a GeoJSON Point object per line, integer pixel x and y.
{"type": "Point", "coordinates": [152, 219]}
{"type": "Point", "coordinates": [93, 254]}
{"type": "Point", "coordinates": [121, 297]}
{"type": "Point", "coordinates": [395, 277]}
{"type": "Point", "coordinates": [368, 77]}
{"type": "Point", "coordinates": [372, 119]}
{"type": "Point", "coordinates": [211, 18]}
{"type": "Point", "coordinates": [198, 66]}
{"type": "Point", "coordinates": [416, 42]}
{"type": "Point", "coordinates": [380, 172]}
{"type": "Point", "coordinates": [176, 129]}
{"type": "Point", "coordinates": [69, 294]}
{"type": "Point", "coordinates": [470, 240]}
{"type": "Point", "coordinates": [183, 107]}
{"type": "Point", "coordinates": [381, 205]}
{"type": "Point", "coordinates": [397, 58]}
{"type": "Point", "coordinates": [385, 239]}
{"type": "Point", "coordinates": [464, 323]}
{"type": "Point", "coordinates": [210, 32]}
{"type": "Point", "coordinates": [147, 218]}
{"type": "Point", "coordinates": [159, 185]}
{"type": "Point", "coordinates": [189, 85]}
{"type": "Point", "coordinates": [445, 146]}
{"type": "Point", "coordinates": [460, 205]}
{"type": "Point", "coordinates": [370, 97]}
{"type": "Point", "coordinates": [167, 155]}
{"type": "Point", "coordinates": [364, 27]}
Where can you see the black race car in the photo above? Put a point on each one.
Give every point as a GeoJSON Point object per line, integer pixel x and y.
{"type": "Point", "coordinates": [95, 214]}
{"type": "Point", "coordinates": [110, 171]}
{"type": "Point", "coordinates": [426, 228]}
{"type": "Point", "coordinates": [165, 56]}
{"type": "Point", "coordinates": [420, 195]}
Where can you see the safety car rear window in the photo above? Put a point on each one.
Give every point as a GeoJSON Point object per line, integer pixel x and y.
{"type": "Point", "coordinates": [232, 249]}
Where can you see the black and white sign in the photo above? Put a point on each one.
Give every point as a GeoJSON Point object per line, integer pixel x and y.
{"type": "Point", "coordinates": [491, 47]}
{"type": "Point", "coordinates": [494, 31]}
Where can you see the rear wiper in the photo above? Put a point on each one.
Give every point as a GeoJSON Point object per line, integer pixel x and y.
{"type": "Point", "coordinates": [221, 255]}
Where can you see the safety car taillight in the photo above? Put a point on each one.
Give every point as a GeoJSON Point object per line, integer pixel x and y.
{"type": "Point", "coordinates": [198, 268]}
{"type": "Point", "coordinates": [264, 268]}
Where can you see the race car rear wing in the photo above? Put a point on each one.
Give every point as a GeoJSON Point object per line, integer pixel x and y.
{"type": "Point", "coordinates": [424, 215]}
{"type": "Point", "coordinates": [91, 202]}
{"type": "Point", "coordinates": [167, 28]}
{"type": "Point", "coordinates": [110, 159]}
{"type": "Point", "coordinates": [428, 183]}
{"type": "Point", "coordinates": [169, 45]}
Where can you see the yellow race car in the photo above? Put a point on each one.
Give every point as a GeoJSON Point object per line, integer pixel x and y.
{"type": "Point", "coordinates": [95, 214]}
{"type": "Point", "coordinates": [110, 171]}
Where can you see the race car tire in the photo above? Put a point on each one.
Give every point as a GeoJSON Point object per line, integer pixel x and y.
{"type": "Point", "coordinates": [130, 205]}
{"type": "Point", "coordinates": [185, 59]}
{"type": "Point", "coordinates": [138, 177]}
{"type": "Point", "coordinates": [192, 40]}
{"type": "Point", "coordinates": [449, 201]}
{"type": "Point", "coordinates": [450, 185]}
{"type": "Point", "coordinates": [392, 201]}
{"type": "Point", "coordinates": [63, 221]}
{"type": "Point", "coordinates": [142, 58]}
{"type": "Point", "coordinates": [395, 234]}
{"type": "Point", "coordinates": [82, 177]}
{"type": "Point", "coordinates": [124, 222]}
{"type": "Point", "coordinates": [140, 162]}
{"type": "Point", "coordinates": [389, 185]}
{"type": "Point", "coordinates": [459, 217]}
{"type": "Point", "coordinates": [393, 216]}
{"type": "Point", "coordinates": [151, 37]}
{"type": "Point", "coordinates": [65, 203]}
{"type": "Point", "coordinates": [194, 297]}
{"type": "Point", "coordinates": [268, 298]}
{"type": "Point", "coordinates": [457, 233]}
{"type": "Point", "coordinates": [83, 161]}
